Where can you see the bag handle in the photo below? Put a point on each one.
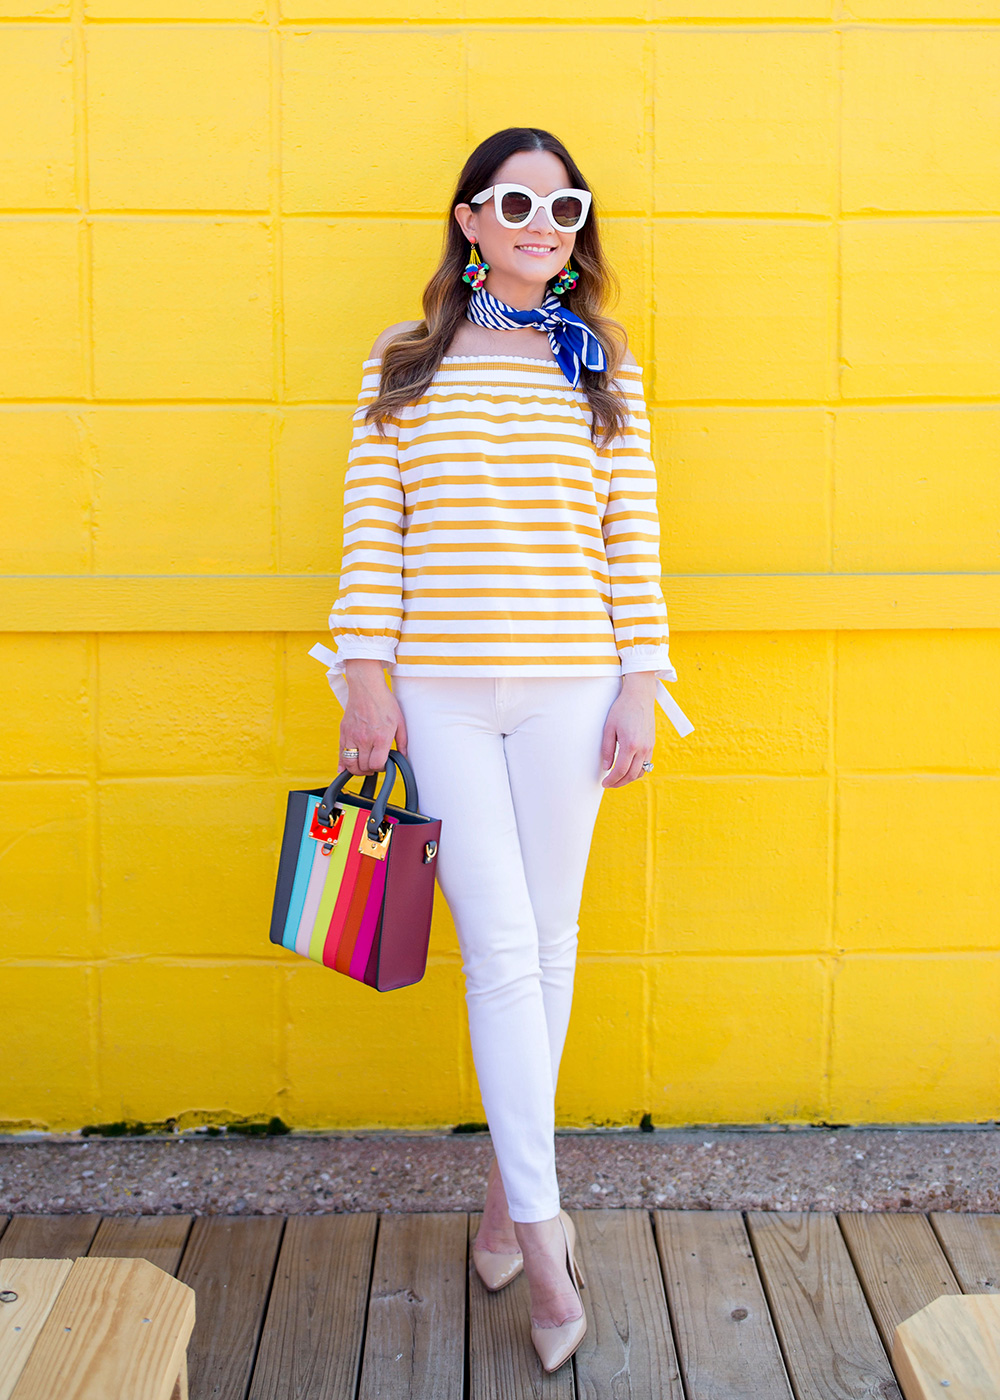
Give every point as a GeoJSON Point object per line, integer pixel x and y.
{"type": "Point", "coordinates": [394, 763]}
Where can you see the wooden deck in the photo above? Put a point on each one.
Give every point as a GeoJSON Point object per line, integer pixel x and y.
{"type": "Point", "coordinates": [687, 1305]}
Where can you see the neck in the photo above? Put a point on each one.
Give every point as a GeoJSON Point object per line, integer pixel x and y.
{"type": "Point", "coordinates": [522, 296]}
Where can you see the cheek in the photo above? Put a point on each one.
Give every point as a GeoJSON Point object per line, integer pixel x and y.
{"type": "Point", "coordinates": [500, 243]}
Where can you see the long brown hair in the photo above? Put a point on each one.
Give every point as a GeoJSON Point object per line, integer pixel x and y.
{"type": "Point", "coordinates": [411, 359]}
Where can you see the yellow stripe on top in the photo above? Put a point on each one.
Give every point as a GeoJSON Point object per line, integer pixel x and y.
{"type": "Point", "coordinates": [486, 534]}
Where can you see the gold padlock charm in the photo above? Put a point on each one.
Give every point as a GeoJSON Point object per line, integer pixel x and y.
{"type": "Point", "coordinates": [378, 850]}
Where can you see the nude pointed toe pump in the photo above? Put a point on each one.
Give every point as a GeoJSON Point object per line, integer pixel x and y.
{"type": "Point", "coordinates": [555, 1345]}
{"type": "Point", "coordinates": [497, 1270]}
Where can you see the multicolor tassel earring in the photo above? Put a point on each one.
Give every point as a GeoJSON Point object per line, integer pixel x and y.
{"type": "Point", "coordinates": [566, 280]}
{"type": "Point", "coordinates": [475, 272]}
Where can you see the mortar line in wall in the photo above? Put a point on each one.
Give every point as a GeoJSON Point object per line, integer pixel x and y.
{"type": "Point", "coordinates": [275, 431]}
{"type": "Point", "coordinates": [949, 774]}
{"type": "Point", "coordinates": [281, 1009]}
{"type": "Point", "coordinates": [832, 962]}
{"type": "Point", "coordinates": [838, 279]}
{"type": "Point", "coordinates": [649, 961]}
{"type": "Point", "coordinates": [280, 785]}
{"type": "Point", "coordinates": [95, 900]}
{"type": "Point", "coordinates": [553, 24]}
{"type": "Point", "coordinates": [834, 316]}
{"type": "Point", "coordinates": [19, 778]}
{"type": "Point", "coordinates": [648, 1038]}
{"type": "Point", "coordinates": [978, 217]}
{"type": "Point", "coordinates": [646, 977]}
{"type": "Point", "coordinates": [832, 869]}
{"type": "Point", "coordinates": [986, 775]}
{"type": "Point", "coordinates": [277, 325]}
{"type": "Point", "coordinates": [81, 184]}
{"type": "Point", "coordinates": [979, 952]}
{"type": "Point", "coordinates": [275, 201]}
{"type": "Point", "coordinates": [77, 416]}
{"type": "Point", "coordinates": [833, 826]}
{"type": "Point", "coordinates": [466, 104]}
{"type": "Point", "coordinates": [909, 405]}
{"type": "Point", "coordinates": [649, 111]}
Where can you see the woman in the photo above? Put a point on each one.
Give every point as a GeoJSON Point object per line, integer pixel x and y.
{"type": "Point", "coordinates": [501, 561]}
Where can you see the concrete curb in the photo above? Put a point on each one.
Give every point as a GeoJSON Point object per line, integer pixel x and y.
{"type": "Point", "coordinates": [831, 1169]}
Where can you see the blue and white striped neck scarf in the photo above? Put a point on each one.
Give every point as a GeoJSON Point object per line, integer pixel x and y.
{"type": "Point", "coordinates": [574, 344]}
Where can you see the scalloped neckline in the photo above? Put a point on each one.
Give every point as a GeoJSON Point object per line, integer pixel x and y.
{"type": "Point", "coordinates": [505, 359]}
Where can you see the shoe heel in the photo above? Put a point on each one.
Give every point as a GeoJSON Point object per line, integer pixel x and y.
{"type": "Point", "coordinates": [579, 1273]}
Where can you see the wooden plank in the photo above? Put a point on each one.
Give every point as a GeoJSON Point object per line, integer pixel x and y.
{"type": "Point", "coordinates": [629, 1349]}
{"type": "Point", "coordinates": [724, 1334]}
{"type": "Point", "coordinates": [829, 1340]}
{"type": "Point", "coordinates": [415, 1341]}
{"type": "Point", "coordinates": [228, 1261]}
{"type": "Point", "coordinates": [503, 1363]}
{"type": "Point", "coordinates": [314, 1330]}
{"type": "Point", "coordinates": [37, 1284]}
{"type": "Point", "coordinates": [48, 1236]}
{"type": "Point", "coordinates": [158, 1238]}
{"type": "Point", "coordinates": [953, 1342]}
{"type": "Point", "coordinates": [119, 1327]}
{"type": "Point", "coordinates": [901, 1266]}
{"type": "Point", "coordinates": [971, 1243]}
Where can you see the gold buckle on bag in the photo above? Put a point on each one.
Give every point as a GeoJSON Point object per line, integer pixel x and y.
{"type": "Point", "coordinates": [377, 849]}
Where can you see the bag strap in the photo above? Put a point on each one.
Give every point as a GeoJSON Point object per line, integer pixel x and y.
{"type": "Point", "coordinates": [394, 763]}
{"type": "Point", "coordinates": [412, 800]}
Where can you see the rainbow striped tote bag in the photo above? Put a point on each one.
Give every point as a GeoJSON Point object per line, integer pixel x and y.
{"type": "Point", "coordinates": [355, 884]}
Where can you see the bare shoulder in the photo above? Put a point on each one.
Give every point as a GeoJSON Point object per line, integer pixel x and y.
{"type": "Point", "coordinates": [390, 333]}
{"type": "Point", "coordinates": [629, 359]}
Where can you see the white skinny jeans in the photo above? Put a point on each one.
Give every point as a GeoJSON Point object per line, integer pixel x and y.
{"type": "Point", "coordinates": [512, 766]}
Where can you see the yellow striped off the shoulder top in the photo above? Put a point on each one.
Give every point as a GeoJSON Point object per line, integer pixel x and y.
{"type": "Point", "coordinates": [485, 535]}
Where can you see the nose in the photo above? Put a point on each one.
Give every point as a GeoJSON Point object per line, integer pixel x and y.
{"type": "Point", "coordinates": [540, 223]}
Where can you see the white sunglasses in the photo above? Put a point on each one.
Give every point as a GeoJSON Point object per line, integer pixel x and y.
{"type": "Point", "coordinates": [515, 206]}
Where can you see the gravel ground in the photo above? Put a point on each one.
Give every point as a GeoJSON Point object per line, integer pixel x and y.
{"type": "Point", "coordinates": [859, 1169]}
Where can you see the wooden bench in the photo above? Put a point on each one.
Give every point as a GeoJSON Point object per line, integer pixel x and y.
{"type": "Point", "coordinates": [950, 1348]}
{"type": "Point", "coordinates": [93, 1329]}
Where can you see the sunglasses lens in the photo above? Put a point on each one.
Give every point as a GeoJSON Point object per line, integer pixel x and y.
{"type": "Point", "coordinates": [567, 210]}
{"type": "Point", "coordinates": [516, 207]}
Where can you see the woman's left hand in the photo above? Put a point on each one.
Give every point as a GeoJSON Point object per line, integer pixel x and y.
{"type": "Point", "coordinates": [631, 723]}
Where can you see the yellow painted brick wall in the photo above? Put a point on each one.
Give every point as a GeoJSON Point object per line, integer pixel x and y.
{"type": "Point", "coordinates": [208, 209]}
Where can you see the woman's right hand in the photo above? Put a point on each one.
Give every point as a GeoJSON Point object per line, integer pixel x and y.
{"type": "Point", "coordinates": [373, 722]}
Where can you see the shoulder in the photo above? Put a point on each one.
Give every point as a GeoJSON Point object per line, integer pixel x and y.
{"type": "Point", "coordinates": [390, 333]}
{"type": "Point", "coordinates": [629, 359]}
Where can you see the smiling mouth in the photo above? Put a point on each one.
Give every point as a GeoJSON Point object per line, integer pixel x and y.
{"type": "Point", "coordinates": [534, 248]}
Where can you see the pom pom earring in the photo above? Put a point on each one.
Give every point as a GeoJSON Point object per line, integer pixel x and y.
{"type": "Point", "coordinates": [475, 272]}
{"type": "Point", "coordinates": [566, 280]}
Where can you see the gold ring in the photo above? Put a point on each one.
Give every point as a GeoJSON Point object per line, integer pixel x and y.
{"type": "Point", "coordinates": [349, 753]}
